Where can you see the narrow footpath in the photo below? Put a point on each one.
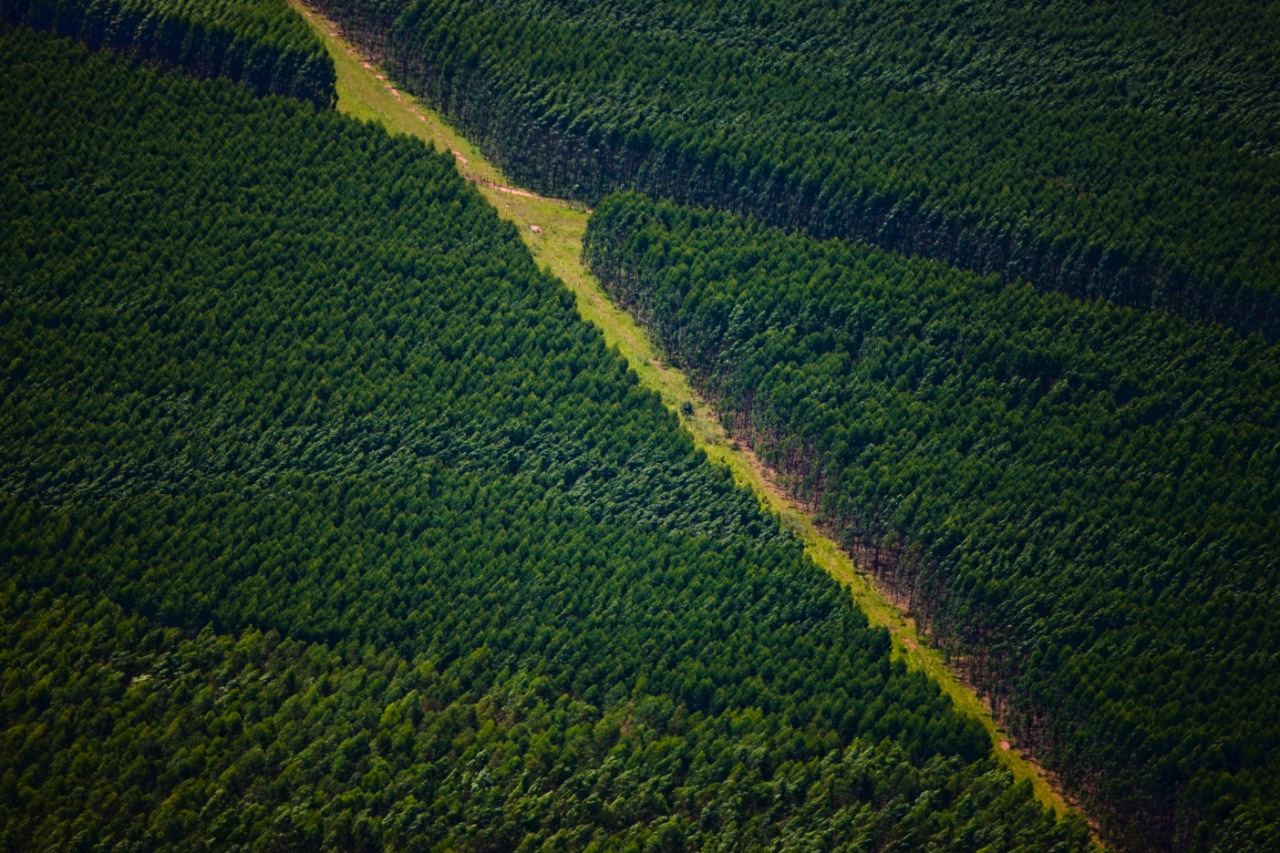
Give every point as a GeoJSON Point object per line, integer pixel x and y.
{"type": "Point", "coordinates": [553, 231]}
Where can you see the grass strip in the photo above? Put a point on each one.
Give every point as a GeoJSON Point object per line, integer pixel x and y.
{"type": "Point", "coordinates": [364, 92]}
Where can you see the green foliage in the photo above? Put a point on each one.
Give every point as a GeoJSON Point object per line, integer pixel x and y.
{"type": "Point", "coordinates": [1081, 503]}
{"type": "Point", "coordinates": [261, 43]}
{"type": "Point", "coordinates": [1126, 154]}
{"type": "Point", "coordinates": [117, 729]}
{"type": "Point", "coordinates": [325, 522]}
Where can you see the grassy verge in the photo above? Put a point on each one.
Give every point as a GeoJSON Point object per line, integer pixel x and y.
{"type": "Point", "coordinates": [557, 246]}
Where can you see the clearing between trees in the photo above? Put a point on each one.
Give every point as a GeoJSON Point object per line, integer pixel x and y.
{"type": "Point", "coordinates": [553, 230]}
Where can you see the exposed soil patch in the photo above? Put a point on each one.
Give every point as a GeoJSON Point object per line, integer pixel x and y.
{"type": "Point", "coordinates": [500, 188]}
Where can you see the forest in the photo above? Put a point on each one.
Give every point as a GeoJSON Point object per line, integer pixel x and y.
{"type": "Point", "coordinates": [261, 43]}
{"type": "Point", "coordinates": [1115, 151]}
{"type": "Point", "coordinates": [1080, 503]}
{"type": "Point", "coordinates": [324, 521]}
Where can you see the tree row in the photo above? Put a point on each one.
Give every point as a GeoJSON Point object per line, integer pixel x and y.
{"type": "Point", "coordinates": [1143, 198]}
{"type": "Point", "coordinates": [1077, 502]}
{"type": "Point", "coordinates": [261, 43]}
{"type": "Point", "coordinates": [325, 521]}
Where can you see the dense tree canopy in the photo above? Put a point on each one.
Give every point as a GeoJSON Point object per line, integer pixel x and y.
{"type": "Point", "coordinates": [324, 520]}
{"type": "Point", "coordinates": [261, 43]}
{"type": "Point", "coordinates": [1127, 153]}
{"type": "Point", "coordinates": [1081, 503]}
